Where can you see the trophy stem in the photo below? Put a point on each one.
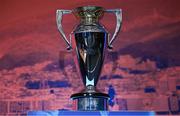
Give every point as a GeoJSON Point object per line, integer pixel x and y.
{"type": "Point", "coordinates": [90, 100]}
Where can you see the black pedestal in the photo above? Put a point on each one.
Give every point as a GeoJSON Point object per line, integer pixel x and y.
{"type": "Point", "coordinates": [90, 101]}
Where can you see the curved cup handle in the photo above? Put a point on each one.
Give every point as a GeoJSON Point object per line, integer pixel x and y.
{"type": "Point", "coordinates": [59, 15]}
{"type": "Point", "coordinates": [118, 13]}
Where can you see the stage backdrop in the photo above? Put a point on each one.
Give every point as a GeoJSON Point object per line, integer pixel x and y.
{"type": "Point", "coordinates": [141, 73]}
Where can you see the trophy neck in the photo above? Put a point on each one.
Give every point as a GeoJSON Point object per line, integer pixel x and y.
{"type": "Point", "coordinates": [88, 21]}
{"type": "Point", "coordinates": [88, 14]}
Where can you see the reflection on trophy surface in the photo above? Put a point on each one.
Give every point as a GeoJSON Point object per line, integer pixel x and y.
{"type": "Point", "coordinates": [91, 40]}
{"type": "Point", "coordinates": [90, 49]}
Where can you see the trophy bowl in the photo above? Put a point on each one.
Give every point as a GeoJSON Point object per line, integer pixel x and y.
{"type": "Point", "coordinates": [91, 41]}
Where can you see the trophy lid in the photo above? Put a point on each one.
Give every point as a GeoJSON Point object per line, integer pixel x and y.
{"type": "Point", "coordinates": [85, 12]}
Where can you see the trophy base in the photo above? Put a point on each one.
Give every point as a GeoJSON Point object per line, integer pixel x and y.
{"type": "Point", "coordinates": [90, 101]}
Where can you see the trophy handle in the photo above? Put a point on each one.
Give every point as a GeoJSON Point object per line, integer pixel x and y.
{"type": "Point", "coordinates": [59, 15]}
{"type": "Point", "coordinates": [118, 13]}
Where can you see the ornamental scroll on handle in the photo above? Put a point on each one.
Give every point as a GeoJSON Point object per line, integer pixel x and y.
{"type": "Point", "coordinates": [118, 13]}
{"type": "Point", "coordinates": [59, 16]}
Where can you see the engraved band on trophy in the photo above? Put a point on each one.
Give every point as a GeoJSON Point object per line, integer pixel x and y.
{"type": "Point", "coordinates": [91, 40]}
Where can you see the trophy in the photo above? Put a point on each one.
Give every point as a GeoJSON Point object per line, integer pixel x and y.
{"type": "Point", "coordinates": [91, 42]}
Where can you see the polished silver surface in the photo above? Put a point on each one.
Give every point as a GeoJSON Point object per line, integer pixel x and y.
{"type": "Point", "coordinates": [92, 40]}
{"type": "Point", "coordinates": [59, 16]}
{"type": "Point", "coordinates": [90, 47]}
{"type": "Point", "coordinates": [92, 104]}
{"type": "Point", "coordinates": [118, 13]}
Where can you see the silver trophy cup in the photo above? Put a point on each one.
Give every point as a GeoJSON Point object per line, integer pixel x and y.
{"type": "Point", "coordinates": [91, 40]}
